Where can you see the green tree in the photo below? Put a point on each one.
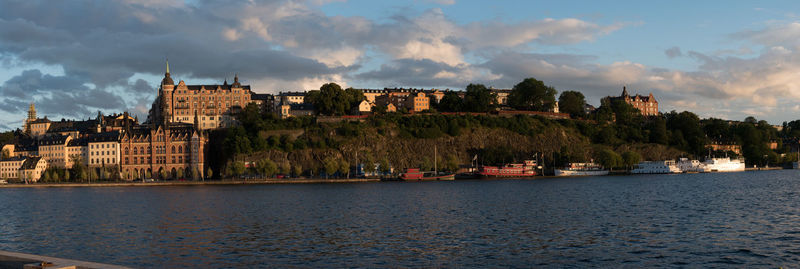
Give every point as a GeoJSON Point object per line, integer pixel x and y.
{"type": "Point", "coordinates": [46, 176]}
{"type": "Point", "coordinates": [630, 158]}
{"type": "Point", "coordinates": [451, 102]}
{"type": "Point", "coordinates": [532, 94]}
{"type": "Point", "coordinates": [266, 167]}
{"type": "Point", "coordinates": [451, 164]}
{"type": "Point", "coordinates": [384, 166]}
{"type": "Point", "coordinates": [238, 168]}
{"type": "Point", "coordinates": [332, 100]}
{"type": "Point", "coordinates": [368, 163]}
{"type": "Point", "coordinates": [658, 130]}
{"type": "Point", "coordinates": [479, 99]}
{"type": "Point", "coordinates": [209, 173]}
{"type": "Point", "coordinates": [5, 155]}
{"type": "Point", "coordinates": [66, 176]}
{"type": "Point", "coordinates": [344, 167]}
{"type": "Point", "coordinates": [331, 165]}
{"type": "Point", "coordinates": [179, 174]}
{"type": "Point", "coordinates": [297, 170]}
{"type": "Point", "coordinates": [427, 164]}
{"type": "Point", "coordinates": [609, 159]}
{"type": "Point", "coordinates": [573, 103]}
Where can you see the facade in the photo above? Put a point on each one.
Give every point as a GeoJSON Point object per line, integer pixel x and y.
{"type": "Point", "coordinates": [417, 102]}
{"type": "Point", "coordinates": [32, 169]}
{"type": "Point", "coordinates": [53, 149]}
{"type": "Point", "coordinates": [103, 150]}
{"type": "Point", "coordinates": [9, 168]}
{"type": "Point", "coordinates": [292, 97]}
{"type": "Point", "coordinates": [716, 146]}
{"type": "Point", "coordinates": [647, 105]}
{"type": "Point", "coordinates": [209, 106]}
{"type": "Point", "coordinates": [363, 107]}
{"type": "Point", "coordinates": [502, 96]}
{"type": "Point", "coordinates": [161, 151]}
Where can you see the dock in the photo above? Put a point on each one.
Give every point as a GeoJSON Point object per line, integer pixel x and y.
{"type": "Point", "coordinates": [15, 260]}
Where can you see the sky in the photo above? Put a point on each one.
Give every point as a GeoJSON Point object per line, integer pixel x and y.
{"type": "Point", "coordinates": [722, 59]}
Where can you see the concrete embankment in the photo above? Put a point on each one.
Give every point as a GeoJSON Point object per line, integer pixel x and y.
{"type": "Point", "coordinates": [191, 183]}
{"type": "Point", "coordinates": [21, 260]}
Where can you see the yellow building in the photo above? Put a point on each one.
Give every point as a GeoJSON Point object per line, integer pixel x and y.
{"type": "Point", "coordinates": [32, 169]}
{"type": "Point", "coordinates": [9, 168]}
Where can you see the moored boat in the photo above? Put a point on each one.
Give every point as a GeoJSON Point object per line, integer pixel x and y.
{"type": "Point", "coordinates": [656, 167]}
{"type": "Point", "coordinates": [525, 169]}
{"type": "Point", "coordinates": [723, 165]}
{"type": "Point", "coordinates": [414, 174]}
{"type": "Point", "coordinates": [690, 166]}
{"type": "Point", "coordinates": [581, 169]}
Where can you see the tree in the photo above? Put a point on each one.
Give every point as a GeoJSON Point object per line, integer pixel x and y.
{"type": "Point", "coordinates": [479, 99]}
{"type": "Point", "coordinates": [451, 164]}
{"type": "Point", "coordinates": [532, 94]}
{"type": "Point", "coordinates": [179, 173]}
{"type": "Point", "coordinates": [332, 100]}
{"type": "Point", "coordinates": [46, 176]}
{"type": "Point", "coordinates": [5, 155]}
{"type": "Point", "coordinates": [609, 159]}
{"type": "Point", "coordinates": [658, 131]}
{"type": "Point", "coordinates": [630, 158]}
{"type": "Point", "coordinates": [451, 102]}
{"type": "Point", "coordinates": [149, 174]}
{"type": "Point", "coordinates": [66, 176]}
{"type": "Point", "coordinates": [368, 163]}
{"type": "Point", "coordinates": [238, 168]}
{"type": "Point", "coordinates": [209, 173]}
{"type": "Point", "coordinates": [384, 166]}
{"type": "Point", "coordinates": [331, 165]}
{"type": "Point", "coordinates": [344, 167]}
{"type": "Point", "coordinates": [573, 103]}
{"type": "Point", "coordinates": [297, 170]}
{"type": "Point", "coordinates": [266, 167]}
{"type": "Point", "coordinates": [427, 164]}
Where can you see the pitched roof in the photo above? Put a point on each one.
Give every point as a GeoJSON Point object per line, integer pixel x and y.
{"type": "Point", "coordinates": [30, 163]}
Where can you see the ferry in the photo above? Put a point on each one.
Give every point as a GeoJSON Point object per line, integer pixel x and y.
{"type": "Point", "coordinates": [413, 174]}
{"type": "Point", "coordinates": [657, 167]}
{"type": "Point", "coordinates": [525, 169]}
{"type": "Point", "coordinates": [690, 166]}
{"type": "Point", "coordinates": [581, 169]}
{"type": "Point", "coordinates": [724, 165]}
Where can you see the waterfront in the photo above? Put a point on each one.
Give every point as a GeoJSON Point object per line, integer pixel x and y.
{"type": "Point", "coordinates": [720, 219]}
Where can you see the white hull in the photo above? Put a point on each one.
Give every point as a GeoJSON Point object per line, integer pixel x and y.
{"type": "Point", "coordinates": [575, 173]}
{"type": "Point", "coordinates": [723, 165]}
{"type": "Point", "coordinates": [662, 167]}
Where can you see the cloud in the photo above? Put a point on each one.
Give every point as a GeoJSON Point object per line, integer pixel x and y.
{"type": "Point", "coordinates": [673, 52]}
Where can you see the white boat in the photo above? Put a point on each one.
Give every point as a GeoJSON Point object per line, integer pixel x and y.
{"type": "Point", "coordinates": [657, 167]}
{"type": "Point", "coordinates": [723, 165]}
{"type": "Point", "coordinates": [581, 169]}
{"type": "Point", "coordinates": [690, 166]}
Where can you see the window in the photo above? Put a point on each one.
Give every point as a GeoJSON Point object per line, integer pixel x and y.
{"type": "Point", "coordinates": [173, 149]}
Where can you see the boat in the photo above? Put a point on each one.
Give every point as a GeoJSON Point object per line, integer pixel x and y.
{"type": "Point", "coordinates": [414, 174]}
{"type": "Point", "coordinates": [525, 169]}
{"type": "Point", "coordinates": [657, 167]}
{"type": "Point", "coordinates": [724, 165]}
{"type": "Point", "coordinates": [581, 169]}
{"type": "Point", "coordinates": [690, 166]}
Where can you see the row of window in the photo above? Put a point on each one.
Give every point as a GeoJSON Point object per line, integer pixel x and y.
{"type": "Point", "coordinates": [159, 150]}
{"type": "Point", "coordinates": [159, 160]}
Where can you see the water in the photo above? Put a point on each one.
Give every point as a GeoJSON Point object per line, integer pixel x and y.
{"type": "Point", "coordinates": [747, 219]}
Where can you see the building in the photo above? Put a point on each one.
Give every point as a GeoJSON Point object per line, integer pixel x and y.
{"type": "Point", "coordinates": [53, 149]}
{"type": "Point", "coordinates": [9, 168]}
{"type": "Point", "coordinates": [417, 102]}
{"type": "Point", "coordinates": [266, 102]}
{"type": "Point", "coordinates": [725, 147]}
{"type": "Point", "coordinates": [32, 169]}
{"type": "Point", "coordinates": [364, 107]}
{"type": "Point", "coordinates": [647, 105]}
{"type": "Point", "coordinates": [292, 97]}
{"type": "Point", "coordinates": [161, 151]}
{"type": "Point", "coordinates": [214, 106]}
{"type": "Point", "coordinates": [103, 150]}
{"type": "Point", "coordinates": [502, 96]}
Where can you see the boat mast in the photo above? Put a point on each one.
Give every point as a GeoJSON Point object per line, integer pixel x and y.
{"type": "Point", "coordinates": [435, 168]}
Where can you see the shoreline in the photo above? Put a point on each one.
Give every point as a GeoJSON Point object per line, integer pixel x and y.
{"type": "Point", "coordinates": [191, 183]}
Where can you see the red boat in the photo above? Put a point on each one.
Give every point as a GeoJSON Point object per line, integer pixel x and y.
{"type": "Point", "coordinates": [525, 169]}
{"type": "Point", "coordinates": [412, 174]}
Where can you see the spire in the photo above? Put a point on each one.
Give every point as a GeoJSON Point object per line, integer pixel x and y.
{"type": "Point", "coordinates": [32, 112]}
{"type": "Point", "coordinates": [167, 79]}
{"type": "Point", "coordinates": [236, 83]}
{"type": "Point", "coordinates": [624, 91]}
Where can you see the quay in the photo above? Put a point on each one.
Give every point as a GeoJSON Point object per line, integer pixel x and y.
{"type": "Point", "coordinates": [192, 183]}
{"type": "Point", "coordinates": [17, 260]}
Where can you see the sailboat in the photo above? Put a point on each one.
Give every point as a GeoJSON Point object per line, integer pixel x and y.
{"type": "Point", "coordinates": [414, 174]}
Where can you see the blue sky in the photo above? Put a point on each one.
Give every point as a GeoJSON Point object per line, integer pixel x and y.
{"type": "Point", "coordinates": [725, 59]}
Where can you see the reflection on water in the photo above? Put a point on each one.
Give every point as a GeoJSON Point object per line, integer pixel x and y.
{"type": "Point", "coordinates": [710, 220]}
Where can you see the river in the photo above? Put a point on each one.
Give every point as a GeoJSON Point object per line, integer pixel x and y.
{"type": "Point", "coordinates": [742, 219]}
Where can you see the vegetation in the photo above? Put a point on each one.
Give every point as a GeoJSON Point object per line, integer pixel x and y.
{"type": "Point", "coordinates": [532, 94]}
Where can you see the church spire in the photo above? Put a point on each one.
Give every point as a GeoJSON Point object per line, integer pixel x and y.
{"type": "Point", "coordinates": [167, 65]}
{"type": "Point", "coordinates": [167, 79]}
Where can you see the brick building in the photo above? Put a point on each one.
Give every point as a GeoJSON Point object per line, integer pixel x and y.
{"type": "Point", "coordinates": [161, 151]}
{"type": "Point", "coordinates": [213, 105]}
{"type": "Point", "coordinates": [647, 105]}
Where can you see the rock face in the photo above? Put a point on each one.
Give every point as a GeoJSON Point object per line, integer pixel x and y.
{"type": "Point", "coordinates": [404, 152]}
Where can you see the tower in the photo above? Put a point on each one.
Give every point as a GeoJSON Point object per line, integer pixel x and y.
{"type": "Point", "coordinates": [32, 112]}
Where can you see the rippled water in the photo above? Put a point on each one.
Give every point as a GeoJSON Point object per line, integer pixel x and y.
{"type": "Point", "coordinates": [705, 220]}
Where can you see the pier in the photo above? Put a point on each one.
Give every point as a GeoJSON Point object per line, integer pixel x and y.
{"type": "Point", "coordinates": [15, 260]}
